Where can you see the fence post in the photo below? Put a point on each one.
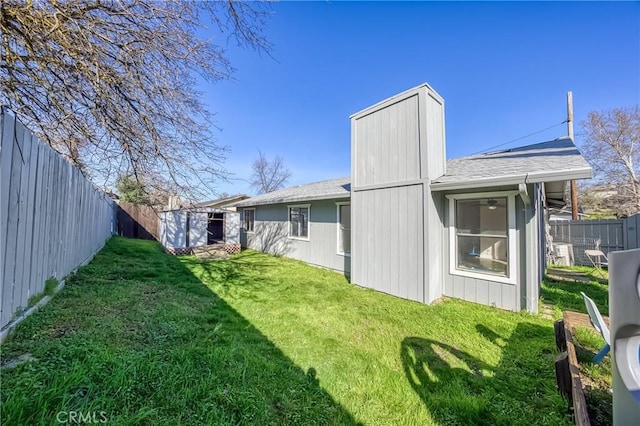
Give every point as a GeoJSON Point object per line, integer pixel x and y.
{"type": "Point", "coordinates": [632, 232]}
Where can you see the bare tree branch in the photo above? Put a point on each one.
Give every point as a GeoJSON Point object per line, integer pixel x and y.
{"type": "Point", "coordinates": [268, 175]}
{"type": "Point", "coordinates": [612, 146]}
{"type": "Point", "coordinates": [110, 84]}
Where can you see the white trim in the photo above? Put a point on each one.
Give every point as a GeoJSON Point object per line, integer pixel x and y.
{"type": "Point", "coordinates": [289, 207]}
{"type": "Point", "coordinates": [338, 204]}
{"type": "Point", "coordinates": [512, 255]}
{"type": "Point", "coordinates": [474, 195]}
{"type": "Point", "coordinates": [244, 220]}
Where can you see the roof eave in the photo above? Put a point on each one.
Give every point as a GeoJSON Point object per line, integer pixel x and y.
{"type": "Point", "coordinates": [293, 200]}
{"type": "Point", "coordinates": [580, 173]}
{"type": "Point", "coordinates": [571, 174]}
{"type": "Point", "coordinates": [478, 183]}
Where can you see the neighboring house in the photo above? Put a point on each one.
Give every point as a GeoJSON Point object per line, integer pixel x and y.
{"type": "Point", "coordinates": [564, 213]}
{"type": "Point", "coordinates": [207, 223]}
{"type": "Point", "coordinates": [409, 223]}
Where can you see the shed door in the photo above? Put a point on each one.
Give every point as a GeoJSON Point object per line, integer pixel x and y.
{"type": "Point", "coordinates": [215, 228]}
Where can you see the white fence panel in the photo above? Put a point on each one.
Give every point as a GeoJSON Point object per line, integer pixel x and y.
{"type": "Point", "coordinates": [52, 219]}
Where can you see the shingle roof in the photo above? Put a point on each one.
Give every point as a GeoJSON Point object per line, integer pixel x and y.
{"type": "Point", "coordinates": [551, 161]}
{"type": "Point", "coordinates": [555, 160]}
{"type": "Point", "coordinates": [327, 189]}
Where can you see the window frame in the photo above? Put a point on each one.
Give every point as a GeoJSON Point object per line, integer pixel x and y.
{"type": "Point", "coordinates": [338, 205]}
{"type": "Point", "coordinates": [244, 222]}
{"type": "Point", "coordinates": [512, 255]}
{"type": "Point", "coordinates": [294, 237]}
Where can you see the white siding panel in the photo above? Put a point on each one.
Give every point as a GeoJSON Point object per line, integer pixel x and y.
{"type": "Point", "coordinates": [509, 297]}
{"type": "Point", "coordinates": [482, 292]}
{"type": "Point", "coordinates": [232, 227]}
{"type": "Point", "coordinates": [386, 220]}
{"type": "Point", "coordinates": [495, 294]}
{"type": "Point", "coordinates": [470, 288]}
{"type": "Point", "coordinates": [380, 137]}
{"type": "Point", "coordinates": [198, 229]}
{"type": "Point", "coordinates": [458, 288]}
{"type": "Point", "coordinates": [434, 149]}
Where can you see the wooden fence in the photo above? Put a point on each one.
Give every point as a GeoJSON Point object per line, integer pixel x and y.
{"type": "Point", "coordinates": [137, 221]}
{"type": "Point", "coordinates": [609, 234]}
{"type": "Point", "coordinates": [52, 219]}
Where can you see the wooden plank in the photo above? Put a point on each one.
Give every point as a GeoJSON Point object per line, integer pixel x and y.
{"type": "Point", "coordinates": [8, 299]}
{"type": "Point", "coordinates": [6, 154]}
{"type": "Point", "coordinates": [575, 319]}
{"type": "Point", "coordinates": [30, 260]}
{"type": "Point", "coordinates": [581, 416]}
{"type": "Point", "coordinates": [48, 208]}
{"type": "Point", "coordinates": [21, 281]}
{"type": "Point", "coordinates": [563, 375]}
{"type": "Point", "coordinates": [561, 341]}
{"type": "Point", "coordinates": [632, 232]}
{"type": "Point", "coordinates": [40, 244]}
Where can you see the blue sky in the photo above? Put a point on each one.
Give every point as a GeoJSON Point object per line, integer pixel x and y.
{"type": "Point", "coordinates": [502, 68]}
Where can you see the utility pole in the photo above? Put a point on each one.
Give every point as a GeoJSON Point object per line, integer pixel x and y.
{"type": "Point", "coordinates": [574, 188]}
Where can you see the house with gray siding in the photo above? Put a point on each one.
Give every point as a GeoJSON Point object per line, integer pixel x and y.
{"type": "Point", "coordinates": [308, 222]}
{"type": "Point", "coordinates": [410, 223]}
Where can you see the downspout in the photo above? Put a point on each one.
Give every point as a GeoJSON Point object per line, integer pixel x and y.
{"type": "Point", "coordinates": [531, 260]}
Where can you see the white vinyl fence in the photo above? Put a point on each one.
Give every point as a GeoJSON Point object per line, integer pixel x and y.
{"type": "Point", "coordinates": [52, 219]}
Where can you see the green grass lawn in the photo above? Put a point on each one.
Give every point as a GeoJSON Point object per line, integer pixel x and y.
{"type": "Point", "coordinates": [147, 338]}
{"type": "Point", "coordinates": [565, 295]}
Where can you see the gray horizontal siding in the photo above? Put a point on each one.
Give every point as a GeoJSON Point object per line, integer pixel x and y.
{"type": "Point", "coordinates": [271, 230]}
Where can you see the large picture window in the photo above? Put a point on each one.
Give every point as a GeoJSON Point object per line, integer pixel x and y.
{"type": "Point", "coordinates": [344, 228]}
{"type": "Point", "coordinates": [483, 236]}
{"type": "Point", "coordinates": [299, 222]}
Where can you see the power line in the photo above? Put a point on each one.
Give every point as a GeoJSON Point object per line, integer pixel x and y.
{"type": "Point", "coordinates": [520, 138]}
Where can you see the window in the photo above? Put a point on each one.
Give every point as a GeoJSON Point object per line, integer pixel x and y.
{"type": "Point", "coordinates": [344, 228]}
{"type": "Point", "coordinates": [299, 222]}
{"type": "Point", "coordinates": [482, 235]}
{"type": "Point", "coordinates": [249, 219]}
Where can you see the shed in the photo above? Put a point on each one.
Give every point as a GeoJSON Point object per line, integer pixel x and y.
{"type": "Point", "coordinates": [202, 224]}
